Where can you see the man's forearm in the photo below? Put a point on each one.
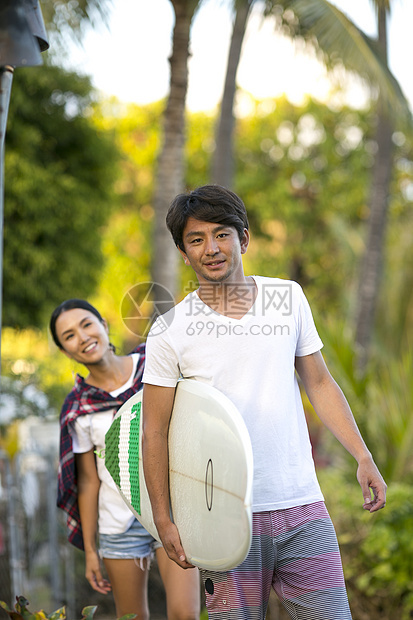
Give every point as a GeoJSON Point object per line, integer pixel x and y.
{"type": "Point", "coordinates": [330, 404]}
{"type": "Point", "coordinates": [332, 408]}
{"type": "Point", "coordinates": [157, 409]}
{"type": "Point", "coordinates": [155, 459]}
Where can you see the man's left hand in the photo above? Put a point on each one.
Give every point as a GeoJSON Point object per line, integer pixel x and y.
{"type": "Point", "coordinates": [369, 477]}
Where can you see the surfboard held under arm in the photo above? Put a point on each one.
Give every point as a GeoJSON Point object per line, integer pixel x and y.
{"type": "Point", "coordinates": [210, 473]}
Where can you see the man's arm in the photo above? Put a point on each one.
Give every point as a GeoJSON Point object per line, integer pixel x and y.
{"type": "Point", "coordinates": [333, 410]}
{"type": "Point", "coordinates": [157, 406]}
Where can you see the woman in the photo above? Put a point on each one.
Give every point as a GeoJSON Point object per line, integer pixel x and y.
{"type": "Point", "coordinates": [86, 490]}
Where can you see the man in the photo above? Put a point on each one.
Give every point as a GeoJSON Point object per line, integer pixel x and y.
{"type": "Point", "coordinates": [246, 336]}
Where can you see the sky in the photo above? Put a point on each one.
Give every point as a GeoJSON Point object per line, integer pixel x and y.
{"type": "Point", "coordinates": [129, 57]}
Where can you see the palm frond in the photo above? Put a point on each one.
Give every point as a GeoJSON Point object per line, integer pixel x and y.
{"type": "Point", "coordinates": [342, 42]}
{"type": "Point", "coordinates": [71, 18]}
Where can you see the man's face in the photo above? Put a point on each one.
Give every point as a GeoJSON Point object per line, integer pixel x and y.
{"type": "Point", "coordinates": [214, 251]}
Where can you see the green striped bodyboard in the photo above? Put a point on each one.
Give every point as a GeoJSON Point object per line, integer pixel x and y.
{"type": "Point", "coordinates": [122, 454]}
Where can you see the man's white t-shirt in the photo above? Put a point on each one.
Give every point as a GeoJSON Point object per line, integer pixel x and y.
{"type": "Point", "coordinates": [114, 516]}
{"type": "Point", "coordinates": [251, 360]}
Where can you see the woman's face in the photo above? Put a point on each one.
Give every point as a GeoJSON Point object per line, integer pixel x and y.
{"type": "Point", "coordinates": [82, 335]}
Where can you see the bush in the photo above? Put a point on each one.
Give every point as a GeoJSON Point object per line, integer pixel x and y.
{"type": "Point", "coordinates": [377, 549]}
{"type": "Point", "coordinates": [22, 612]}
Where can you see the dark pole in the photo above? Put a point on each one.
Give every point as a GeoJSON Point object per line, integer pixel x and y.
{"type": "Point", "coordinates": [22, 38]}
{"type": "Point", "coordinates": [6, 79]}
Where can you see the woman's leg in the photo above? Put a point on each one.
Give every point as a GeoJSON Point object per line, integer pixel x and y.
{"type": "Point", "coordinates": [182, 587]}
{"type": "Point", "coordinates": [129, 586]}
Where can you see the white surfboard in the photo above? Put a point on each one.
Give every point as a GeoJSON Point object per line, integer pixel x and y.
{"type": "Point", "coordinates": [210, 473]}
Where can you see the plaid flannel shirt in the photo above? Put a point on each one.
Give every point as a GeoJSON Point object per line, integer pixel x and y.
{"type": "Point", "coordinates": [84, 399]}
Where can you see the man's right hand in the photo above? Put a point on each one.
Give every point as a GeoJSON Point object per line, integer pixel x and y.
{"type": "Point", "coordinates": [171, 541]}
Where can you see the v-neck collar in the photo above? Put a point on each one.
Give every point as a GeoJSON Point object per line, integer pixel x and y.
{"type": "Point", "coordinates": [209, 311]}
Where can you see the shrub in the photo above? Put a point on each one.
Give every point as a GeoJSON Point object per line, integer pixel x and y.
{"type": "Point", "coordinates": [22, 612]}
{"type": "Point", "coordinates": [377, 549]}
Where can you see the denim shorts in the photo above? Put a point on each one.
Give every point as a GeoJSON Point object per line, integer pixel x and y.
{"type": "Point", "coordinates": [135, 543]}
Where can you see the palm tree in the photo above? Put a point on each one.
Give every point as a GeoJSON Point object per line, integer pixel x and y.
{"type": "Point", "coordinates": [338, 40]}
{"type": "Point", "coordinates": [336, 34]}
{"type": "Point", "coordinates": [169, 180]}
{"type": "Point", "coordinates": [223, 160]}
{"type": "Point", "coordinates": [370, 273]}
{"type": "Point", "coordinates": [64, 16]}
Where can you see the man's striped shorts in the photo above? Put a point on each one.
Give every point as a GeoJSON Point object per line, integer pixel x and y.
{"type": "Point", "coordinates": [295, 551]}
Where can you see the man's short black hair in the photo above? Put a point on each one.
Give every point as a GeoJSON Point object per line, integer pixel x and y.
{"type": "Point", "coordinates": [208, 203]}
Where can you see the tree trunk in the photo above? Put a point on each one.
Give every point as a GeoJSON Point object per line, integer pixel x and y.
{"type": "Point", "coordinates": [170, 174]}
{"type": "Point", "coordinates": [223, 161]}
{"type": "Point", "coordinates": [370, 273]}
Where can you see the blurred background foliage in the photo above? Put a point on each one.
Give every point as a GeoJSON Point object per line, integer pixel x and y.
{"type": "Point", "coordinates": [59, 163]}
{"type": "Point", "coordinates": [376, 552]}
{"type": "Point", "coordinates": [78, 222]}
{"type": "Point", "coordinates": [78, 218]}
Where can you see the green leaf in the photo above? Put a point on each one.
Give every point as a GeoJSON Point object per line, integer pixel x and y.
{"type": "Point", "coordinates": [59, 614]}
{"type": "Point", "coordinates": [12, 614]}
{"type": "Point", "coordinates": [88, 612]}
